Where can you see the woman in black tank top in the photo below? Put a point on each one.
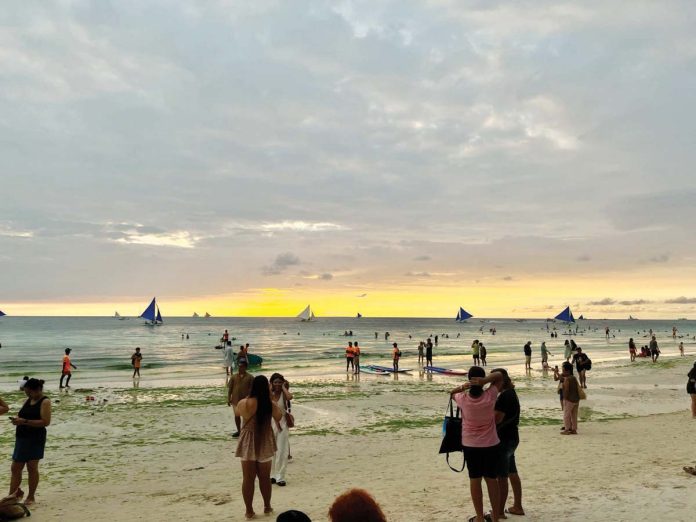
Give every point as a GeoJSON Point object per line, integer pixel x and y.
{"type": "Point", "coordinates": [30, 437]}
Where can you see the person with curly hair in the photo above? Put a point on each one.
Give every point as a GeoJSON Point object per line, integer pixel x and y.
{"type": "Point", "coordinates": [356, 504]}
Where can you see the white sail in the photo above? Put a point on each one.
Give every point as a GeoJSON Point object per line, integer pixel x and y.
{"type": "Point", "coordinates": [116, 314]}
{"type": "Point", "coordinates": [306, 314]}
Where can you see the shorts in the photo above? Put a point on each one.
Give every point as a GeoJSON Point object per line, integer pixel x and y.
{"type": "Point", "coordinates": [691, 388]}
{"type": "Point", "coordinates": [482, 462]}
{"type": "Point", "coordinates": [506, 460]}
{"type": "Point", "coordinates": [528, 358]}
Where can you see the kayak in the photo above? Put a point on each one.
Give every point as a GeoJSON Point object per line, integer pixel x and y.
{"type": "Point", "coordinates": [445, 371]}
{"type": "Point", "coordinates": [389, 369]}
{"type": "Point", "coordinates": [373, 371]}
{"type": "Point", "coordinates": [254, 360]}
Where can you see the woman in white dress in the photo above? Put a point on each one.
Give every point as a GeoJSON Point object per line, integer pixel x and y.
{"type": "Point", "coordinates": [280, 395]}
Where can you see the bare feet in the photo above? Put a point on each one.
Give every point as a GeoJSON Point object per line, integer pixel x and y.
{"type": "Point", "coordinates": [268, 510]}
{"type": "Point", "coordinates": [249, 516]}
{"type": "Point", "coordinates": [30, 501]}
{"type": "Point", "coordinates": [514, 510]}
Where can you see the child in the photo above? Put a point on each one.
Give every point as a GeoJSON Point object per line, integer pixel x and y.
{"type": "Point", "coordinates": [67, 365]}
{"type": "Point", "coordinates": [135, 361]}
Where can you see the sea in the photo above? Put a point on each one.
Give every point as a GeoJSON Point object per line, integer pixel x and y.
{"type": "Point", "coordinates": [182, 351]}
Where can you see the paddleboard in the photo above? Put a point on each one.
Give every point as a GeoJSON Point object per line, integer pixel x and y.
{"type": "Point", "coordinates": [445, 371]}
{"type": "Point", "coordinates": [373, 371]}
{"type": "Point", "coordinates": [389, 369]}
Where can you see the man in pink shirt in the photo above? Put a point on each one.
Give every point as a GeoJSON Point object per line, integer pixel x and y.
{"type": "Point", "coordinates": [479, 437]}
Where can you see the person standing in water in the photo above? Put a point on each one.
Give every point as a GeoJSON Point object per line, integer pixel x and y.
{"type": "Point", "coordinates": [483, 352]}
{"type": "Point", "coordinates": [281, 396]}
{"type": "Point", "coordinates": [350, 356]}
{"type": "Point", "coordinates": [240, 386]}
{"type": "Point", "coordinates": [67, 369]}
{"type": "Point", "coordinates": [544, 354]}
{"type": "Point", "coordinates": [654, 349]}
{"type": "Point", "coordinates": [476, 352]}
{"type": "Point", "coordinates": [421, 355]}
{"type": "Point", "coordinates": [228, 359]}
{"type": "Point", "coordinates": [681, 349]}
{"type": "Point", "coordinates": [632, 349]}
{"type": "Point", "coordinates": [567, 350]}
{"type": "Point", "coordinates": [396, 355]}
{"type": "Point", "coordinates": [356, 357]}
{"type": "Point", "coordinates": [528, 355]}
{"type": "Point", "coordinates": [135, 362]}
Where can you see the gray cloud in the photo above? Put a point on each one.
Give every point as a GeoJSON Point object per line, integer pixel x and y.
{"type": "Point", "coordinates": [326, 276]}
{"type": "Point", "coordinates": [583, 258]}
{"type": "Point", "coordinates": [417, 274]}
{"type": "Point", "coordinates": [281, 263]}
{"type": "Point", "coordinates": [634, 302]}
{"type": "Point", "coordinates": [681, 300]}
{"type": "Point", "coordinates": [603, 302]}
{"type": "Point", "coordinates": [507, 278]}
{"type": "Point", "coordinates": [422, 258]}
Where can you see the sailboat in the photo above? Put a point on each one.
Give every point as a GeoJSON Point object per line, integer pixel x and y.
{"type": "Point", "coordinates": [581, 318]}
{"type": "Point", "coordinates": [195, 314]}
{"type": "Point", "coordinates": [206, 315]}
{"type": "Point", "coordinates": [152, 314]}
{"type": "Point", "coordinates": [307, 314]}
{"type": "Point", "coordinates": [358, 316]}
{"type": "Point", "coordinates": [631, 318]}
{"type": "Point", "coordinates": [2, 313]}
{"type": "Point", "coordinates": [119, 316]}
{"type": "Point", "coordinates": [566, 315]}
{"type": "Point", "coordinates": [463, 315]}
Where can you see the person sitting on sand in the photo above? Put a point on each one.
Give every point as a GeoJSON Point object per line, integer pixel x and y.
{"type": "Point", "coordinates": [135, 361]}
{"type": "Point", "coordinates": [239, 388]}
{"type": "Point", "coordinates": [691, 389]}
{"type": "Point", "coordinates": [356, 505]}
{"type": "Point", "coordinates": [479, 437]}
{"type": "Point", "coordinates": [257, 444]}
{"type": "Point", "coordinates": [66, 372]}
{"type": "Point", "coordinates": [30, 437]}
{"type": "Point", "coordinates": [571, 400]}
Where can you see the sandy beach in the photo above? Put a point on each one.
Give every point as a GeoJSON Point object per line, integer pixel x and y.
{"type": "Point", "coordinates": [166, 453]}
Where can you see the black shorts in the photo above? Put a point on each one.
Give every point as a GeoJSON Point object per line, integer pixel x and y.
{"type": "Point", "coordinates": [482, 462]}
{"type": "Point", "coordinates": [506, 461]}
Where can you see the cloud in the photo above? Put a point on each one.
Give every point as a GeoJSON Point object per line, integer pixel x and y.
{"type": "Point", "coordinates": [361, 295]}
{"type": "Point", "coordinates": [417, 274]}
{"type": "Point", "coordinates": [300, 226]}
{"type": "Point", "coordinates": [179, 239]}
{"type": "Point", "coordinates": [281, 264]}
{"type": "Point", "coordinates": [634, 302]}
{"type": "Point", "coordinates": [662, 258]}
{"type": "Point", "coordinates": [8, 231]}
{"type": "Point", "coordinates": [681, 300]}
{"type": "Point", "coordinates": [583, 259]}
{"type": "Point", "coordinates": [422, 258]}
{"type": "Point", "coordinates": [507, 278]}
{"type": "Point", "coordinates": [326, 276]}
{"type": "Point", "coordinates": [603, 302]}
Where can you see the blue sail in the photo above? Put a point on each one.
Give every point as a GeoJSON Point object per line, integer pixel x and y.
{"type": "Point", "coordinates": [566, 315]}
{"type": "Point", "coordinates": [149, 312]}
{"type": "Point", "coordinates": [459, 315]}
{"type": "Point", "coordinates": [159, 316]}
{"type": "Point", "coordinates": [463, 315]}
{"type": "Point", "coordinates": [2, 313]}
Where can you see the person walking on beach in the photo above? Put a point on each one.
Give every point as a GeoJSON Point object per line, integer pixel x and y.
{"type": "Point", "coordinates": [476, 352]}
{"type": "Point", "coordinates": [654, 349]}
{"type": "Point", "coordinates": [421, 356]}
{"type": "Point", "coordinates": [67, 369]}
{"type": "Point", "coordinates": [281, 396]}
{"type": "Point", "coordinates": [135, 362]}
{"type": "Point", "coordinates": [240, 386]}
{"type": "Point", "coordinates": [507, 419]}
{"type": "Point", "coordinates": [544, 354]}
{"type": "Point", "coordinates": [350, 356]}
{"type": "Point", "coordinates": [429, 352]}
{"type": "Point", "coordinates": [528, 356]}
{"type": "Point", "coordinates": [571, 400]}
{"type": "Point", "coordinates": [228, 359]}
{"type": "Point", "coordinates": [681, 349]}
{"type": "Point", "coordinates": [483, 352]}
{"type": "Point", "coordinates": [632, 349]}
{"type": "Point", "coordinates": [479, 437]}
{"type": "Point", "coordinates": [396, 355]}
{"type": "Point", "coordinates": [566, 350]}
{"type": "Point", "coordinates": [691, 389]}
{"type": "Point", "coordinates": [582, 364]}
{"type": "Point", "coordinates": [30, 437]}
{"type": "Point", "coordinates": [257, 445]}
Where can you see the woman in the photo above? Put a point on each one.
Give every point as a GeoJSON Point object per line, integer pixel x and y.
{"type": "Point", "coordinates": [566, 351]}
{"type": "Point", "coordinates": [356, 504]}
{"type": "Point", "coordinates": [479, 437]}
{"type": "Point", "coordinates": [257, 444]}
{"type": "Point", "coordinates": [30, 437]}
{"type": "Point", "coordinates": [281, 397]}
{"type": "Point", "coordinates": [691, 389]}
{"type": "Point", "coordinates": [632, 349]}
{"type": "Point", "coordinates": [571, 400]}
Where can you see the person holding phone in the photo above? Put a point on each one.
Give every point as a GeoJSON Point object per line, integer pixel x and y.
{"type": "Point", "coordinates": [30, 437]}
{"type": "Point", "coordinates": [280, 394]}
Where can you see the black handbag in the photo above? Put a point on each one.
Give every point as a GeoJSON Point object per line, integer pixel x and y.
{"type": "Point", "coordinates": [452, 435]}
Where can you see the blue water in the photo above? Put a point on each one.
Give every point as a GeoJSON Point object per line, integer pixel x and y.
{"type": "Point", "coordinates": [101, 347]}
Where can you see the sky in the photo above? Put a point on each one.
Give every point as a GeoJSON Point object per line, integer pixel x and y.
{"type": "Point", "coordinates": [394, 158]}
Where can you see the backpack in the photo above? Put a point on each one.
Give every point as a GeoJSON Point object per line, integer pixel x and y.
{"type": "Point", "coordinates": [12, 509]}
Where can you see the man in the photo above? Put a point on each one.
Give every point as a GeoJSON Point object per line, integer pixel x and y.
{"type": "Point", "coordinates": [528, 355]}
{"type": "Point", "coordinates": [507, 419]}
{"type": "Point", "coordinates": [135, 361]}
{"type": "Point", "coordinates": [356, 357]}
{"type": "Point", "coordinates": [67, 365]}
{"type": "Point", "coordinates": [228, 357]}
{"type": "Point", "coordinates": [429, 352]}
{"type": "Point", "coordinates": [654, 350]}
{"type": "Point", "coordinates": [350, 355]}
{"type": "Point", "coordinates": [396, 355]}
{"type": "Point", "coordinates": [240, 386]}
{"type": "Point", "coordinates": [225, 338]}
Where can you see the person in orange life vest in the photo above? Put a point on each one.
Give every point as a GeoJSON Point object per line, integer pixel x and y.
{"type": "Point", "coordinates": [350, 356]}
{"type": "Point", "coordinates": [356, 358]}
{"type": "Point", "coordinates": [67, 365]}
{"type": "Point", "coordinates": [396, 354]}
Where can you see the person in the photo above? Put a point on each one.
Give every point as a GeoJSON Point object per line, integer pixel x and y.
{"type": "Point", "coordinates": [479, 437]}
{"type": "Point", "coordinates": [396, 355]}
{"type": "Point", "coordinates": [356, 504]}
{"type": "Point", "coordinates": [30, 437]}
{"type": "Point", "coordinates": [67, 366]}
{"type": "Point", "coordinates": [582, 364]}
{"type": "Point", "coordinates": [544, 354]}
{"type": "Point", "coordinates": [280, 394]}
{"type": "Point", "coordinates": [436, 339]}
{"type": "Point", "coordinates": [350, 356]}
{"type": "Point", "coordinates": [228, 358]}
{"type": "Point", "coordinates": [507, 419]}
{"type": "Point", "coordinates": [356, 357]}
{"type": "Point", "coordinates": [691, 389]}
{"type": "Point", "coordinates": [135, 362]}
{"type": "Point", "coordinates": [4, 408]}
{"type": "Point", "coordinates": [654, 349]}
{"type": "Point", "coordinates": [632, 349]}
{"type": "Point", "coordinates": [476, 352]}
{"type": "Point", "coordinates": [483, 352]}
{"type": "Point", "coordinates": [566, 350]}
{"type": "Point", "coordinates": [571, 400]}
{"type": "Point", "coordinates": [674, 332]}
{"type": "Point", "coordinates": [606, 332]}
{"type": "Point", "coordinates": [293, 516]}
{"type": "Point", "coordinates": [681, 349]}
{"type": "Point", "coordinates": [528, 355]}
{"type": "Point", "coordinates": [429, 352]}
{"type": "Point", "coordinates": [225, 337]}
{"type": "Point", "coordinates": [21, 382]}
{"type": "Point", "coordinates": [240, 386]}
{"type": "Point", "coordinates": [421, 355]}
{"type": "Point", "coordinates": [257, 445]}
